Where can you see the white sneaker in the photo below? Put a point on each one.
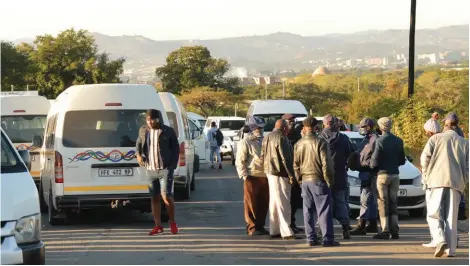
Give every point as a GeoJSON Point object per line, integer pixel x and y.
{"type": "Point", "coordinates": [448, 254]}
{"type": "Point", "coordinates": [429, 245]}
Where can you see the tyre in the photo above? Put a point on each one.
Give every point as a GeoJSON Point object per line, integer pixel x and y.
{"type": "Point", "coordinates": [52, 212]}
{"type": "Point", "coordinates": [233, 160]}
{"type": "Point", "coordinates": [193, 182]}
{"type": "Point", "coordinates": [196, 163]}
{"type": "Point", "coordinates": [186, 190]}
{"type": "Point", "coordinates": [42, 202]}
{"type": "Point", "coordinates": [417, 213]}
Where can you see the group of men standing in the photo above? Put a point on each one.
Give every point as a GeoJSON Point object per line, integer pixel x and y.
{"type": "Point", "coordinates": [296, 165]}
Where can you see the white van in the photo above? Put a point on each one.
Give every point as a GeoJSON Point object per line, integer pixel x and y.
{"type": "Point", "coordinates": [197, 122]}
{"type": "Point", "coordinates": [184, 174]}
{"type": "Point", "coordinates": [89, 149]}
{"type": "Point", "coordinates": [20, 213]}
{"type": "Point", "coordinates": [23, 117]}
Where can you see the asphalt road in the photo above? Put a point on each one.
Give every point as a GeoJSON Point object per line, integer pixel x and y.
{"type": "Point", "coordinates": [212, 232]}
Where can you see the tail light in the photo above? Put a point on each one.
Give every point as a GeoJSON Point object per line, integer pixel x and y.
{"type": "Point", "coordinates": [182, 159]}
{"type": "Point", "coordinates": [59, 168]}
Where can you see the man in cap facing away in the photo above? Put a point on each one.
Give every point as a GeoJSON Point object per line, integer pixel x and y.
{"type": "Point", "coordinates": [250, 169]}
{"type": "Point", "coordinates": [277, 156]}
{"type": "Point", "coordinates": [313, 167]}
{"type": "Point", "coordinates": [296, 194]}
{"type": "Point", "coordinates": [445, 168]}
{"type": "Point", "coordinates": [388, 156]}
{"type": "Point", "coordinates": [340, 148]}
{"type": "Point", "coordinates": [367, 176]}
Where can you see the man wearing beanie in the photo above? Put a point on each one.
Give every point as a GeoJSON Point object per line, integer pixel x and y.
{"type": "Point", "coordinates": [250, 169]}
{"type": "Point", "coordinates": [388, 156]}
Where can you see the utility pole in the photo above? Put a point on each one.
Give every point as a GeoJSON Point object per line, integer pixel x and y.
{"type": "Point", "coordinates": [12, 88]}
{"type": "Point", "coordinates": [236, 109]}
{"type": "Point", "coordinates": [411, 62]}
{"type": "Point", "coordinates": [358, 84]}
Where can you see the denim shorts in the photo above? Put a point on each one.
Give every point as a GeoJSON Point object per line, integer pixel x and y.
{"type": "Point", "coordinates": [162, 185]}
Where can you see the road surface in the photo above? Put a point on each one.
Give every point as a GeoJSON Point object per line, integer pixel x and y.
{"type": "Point", "coordinates": [212, 232]}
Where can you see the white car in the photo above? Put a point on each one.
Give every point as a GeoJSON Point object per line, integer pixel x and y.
{"type": "Point", "coordinates": [411, 196]}
{"type": "Point", "coordinates": [20, 212]}
{"type": "Point", "coordinates": [227, 147]}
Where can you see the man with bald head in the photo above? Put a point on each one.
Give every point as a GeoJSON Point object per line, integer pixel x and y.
{"type": "Point", "coordinates": [277, 157]}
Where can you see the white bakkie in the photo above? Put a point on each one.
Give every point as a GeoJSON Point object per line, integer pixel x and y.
{"type": "Point", "coordinates": [23, 117]}
{"type": "Point", "coordinates": [20, 213]}
{"type": "Point", "coordinates": [89, 149]}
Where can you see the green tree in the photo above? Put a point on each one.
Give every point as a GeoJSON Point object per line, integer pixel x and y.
{"type": "Point", "coordinates": [72, 58]}
{"type": "Point", "coordinates": [193, 66]}
{"type": "Point", "coordinates": [16, 67]}
{"type": "Point", "coordinates": [207, 101]}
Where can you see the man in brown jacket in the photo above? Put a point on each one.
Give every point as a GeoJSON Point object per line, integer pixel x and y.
{"type": "Point", "coordinates": [277, 157]}
{"type": "Point", "coordinates": [313, 168]}
{"type": "Point", "coordinates": [250, 169]}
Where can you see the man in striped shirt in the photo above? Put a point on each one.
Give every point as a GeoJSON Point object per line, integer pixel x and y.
{"type": "Point", "coordinates": [157, 149]}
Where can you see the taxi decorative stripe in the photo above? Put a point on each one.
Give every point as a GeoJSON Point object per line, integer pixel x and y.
{"type": "Point", "coordinates": [23, 147]}
{"type": "Point", "coordinates": [113, 156]}
{"type": "Point", "coordinates": [104, 188]}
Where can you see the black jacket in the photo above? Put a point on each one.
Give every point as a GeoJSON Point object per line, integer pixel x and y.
{"type": "Point", "coordinates": [277, 155]}
{"type": "Point", "coordinates": [341, 149]}
{"type": "Point", "coordinates": [167, 142]}
{"type": "Point", "coordinates": [389, 154]}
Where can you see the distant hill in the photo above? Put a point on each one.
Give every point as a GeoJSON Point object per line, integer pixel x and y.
{"type": "Point", "coordinates": [285, 50]}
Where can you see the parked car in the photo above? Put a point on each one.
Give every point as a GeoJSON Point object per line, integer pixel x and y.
{"type": "Point", "coordinates": [20, 213]}
{"type": "Point", "coordinates": [411, 196]}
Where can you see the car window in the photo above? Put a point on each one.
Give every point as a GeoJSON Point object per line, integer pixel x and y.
{"type": "Point", "coordinates": [173, 121]}
{"type": "Point", "coordinates": [270, 120]}
{"type": "Point", "coordinates": [11, 163]}
{"type": "Point", "coordinates": [231, 124]}
{"type": "Point", "coordinates": [102, 128]}
{"type": "Point", "coordinates": [22, 128]}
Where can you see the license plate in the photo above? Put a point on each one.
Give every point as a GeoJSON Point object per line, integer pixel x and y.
{"type": "Point", "coordinates": [115, 172]}
{"type": "Point", "coordinates": [401, 192]}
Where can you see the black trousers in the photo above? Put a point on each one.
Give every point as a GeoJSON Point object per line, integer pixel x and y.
{"type": "Point", "coordinates": [295, 202]}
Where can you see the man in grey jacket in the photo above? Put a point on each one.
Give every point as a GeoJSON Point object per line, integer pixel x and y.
{"type": "Point", "coordinates": [255, 186]}
{"type": "Point", "coordinates": [277, 156]}
{"type": "Point", "coordinates": [445, 167]}
{"type": "Point", "coordinates": [388, 156]}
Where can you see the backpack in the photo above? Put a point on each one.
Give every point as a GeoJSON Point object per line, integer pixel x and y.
{"type": "Point", "coordinates": [219, 137]}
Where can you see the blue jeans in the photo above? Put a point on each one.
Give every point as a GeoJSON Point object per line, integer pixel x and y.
{"type": "Point", "coordinates": [340, 206]}
{"type": "Point", "coordinates": [215, 150]}
{"type": "Point", "coordinates": [369, 201]}
{"type": "Point", "coordinates": [317, 201]}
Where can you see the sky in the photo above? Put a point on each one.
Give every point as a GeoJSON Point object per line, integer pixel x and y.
{"type": "Point", "coordinates": [212, 19]}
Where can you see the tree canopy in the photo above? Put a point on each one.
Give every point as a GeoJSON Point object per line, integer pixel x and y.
{"type": "Point", "coordinates": [193, 66]}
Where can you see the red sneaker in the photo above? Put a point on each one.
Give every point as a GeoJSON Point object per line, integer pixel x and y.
{"type": "Point", "coordinates": [156, 230]}
{"type": "Point", "coordinates": [173, 228]}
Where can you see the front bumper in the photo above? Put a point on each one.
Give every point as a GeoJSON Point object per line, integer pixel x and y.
{"type": "Point", "coordinates": [31, 254]}
{"type": "Point", "coordinates": [415, 198]}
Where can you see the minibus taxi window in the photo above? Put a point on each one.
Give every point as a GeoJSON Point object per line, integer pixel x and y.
{"type": "Point", "coordinates": [102, 128]}
{"type": "Point", "coordinates": [22, 128]}
{"type": "Point", "coordinates": [10, 162]}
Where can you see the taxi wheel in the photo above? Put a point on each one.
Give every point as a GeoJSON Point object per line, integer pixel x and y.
{"type": "Point", "coordinates": [42, 202]}
{"type": "Point", "coordinates": [52, 213]}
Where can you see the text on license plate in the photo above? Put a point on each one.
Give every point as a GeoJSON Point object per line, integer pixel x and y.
{"type": "Point", "coordinates": [115, 172]}
{"type": "Point", "coordinates": [401, 192]}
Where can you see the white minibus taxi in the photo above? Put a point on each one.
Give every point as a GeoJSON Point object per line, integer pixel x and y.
{"type": "Point", "coordinates": [178, 119]}
{"type": "Point", "coordinates": [89, 148]}
{"type": "Point", "coordinates": [23, 117]}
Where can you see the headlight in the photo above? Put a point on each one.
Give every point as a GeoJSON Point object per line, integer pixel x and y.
{"type": "Point", "coordinates": [28, 229]}
{"type": "Point", "coordinates": [417, 181]}
{"type": "Point", "coordinates": [354, 181]}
